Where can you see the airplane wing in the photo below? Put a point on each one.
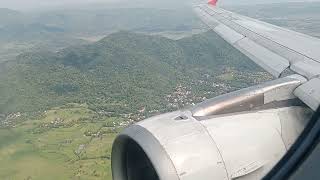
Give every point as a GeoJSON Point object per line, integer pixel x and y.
{"type": "Point", "coordinates": [239, 135]}
{"type": "Point", "coordinates": [278, 50]}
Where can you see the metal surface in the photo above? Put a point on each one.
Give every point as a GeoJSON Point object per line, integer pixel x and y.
{"type": "Point", "coordinates": [289, 129]}
{"type": "Point", "coordinates": [278, 46]}
{"type": "Point", "coordinates": [273, 63]}
{"type": "Point", "coordinates": [309, 69]}
{"type": "Point", "coordinates": [250, 98]}
{"type": "Point", "coordinates": [228, 34]}
{"type": "Point", "coordinates": [309, 93]}
{"type": "Point", "coordinates": [246, 138]}
{"type": "Point", "coordinates": [152, 148]}
{"type": "Point", "coordinates": [189, 146]}
{"type": "Point", "coordinates": [242, 146]}
{"type": "Point", "coordinates": [308, 45]}
{"type": "Point", "coordinates": [296, 160]}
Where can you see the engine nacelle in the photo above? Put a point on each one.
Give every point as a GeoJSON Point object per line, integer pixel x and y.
{"type": "Point", "coordinates": [240, 144]}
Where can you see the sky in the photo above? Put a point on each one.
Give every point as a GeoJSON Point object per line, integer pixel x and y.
{"type": "Point", "coordinates": [38, 4]}
{"type": "Point", "coordinates": [35, 4]}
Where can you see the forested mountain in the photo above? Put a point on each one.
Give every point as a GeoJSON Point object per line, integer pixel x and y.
{"type": "Point", "coordinates": [59, 28]}
{"type": "Point", "coordinates": [122, 73]}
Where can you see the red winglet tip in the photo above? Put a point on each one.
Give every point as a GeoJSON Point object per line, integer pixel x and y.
{"type": "Point", "coordinates": [213, 2]}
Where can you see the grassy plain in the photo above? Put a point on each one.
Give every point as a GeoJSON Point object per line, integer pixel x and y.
{"type": "Point", "coordinates": [62, 143]}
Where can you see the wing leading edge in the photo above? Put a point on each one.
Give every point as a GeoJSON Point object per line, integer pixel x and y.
{"type": "Point", "coordinates": [275, 49]}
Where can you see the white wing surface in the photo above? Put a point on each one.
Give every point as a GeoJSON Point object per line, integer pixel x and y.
{"type": "Point", "coordinates": [276, 49]}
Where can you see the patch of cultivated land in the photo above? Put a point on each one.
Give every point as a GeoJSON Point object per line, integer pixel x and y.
{"type": "Point", "coordinates": [69, 142]}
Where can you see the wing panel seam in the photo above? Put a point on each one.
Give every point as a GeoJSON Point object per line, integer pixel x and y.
{"type": "Point", "coordinates": [289, 49]}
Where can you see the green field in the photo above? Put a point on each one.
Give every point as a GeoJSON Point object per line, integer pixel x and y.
{"type": "Point", "coordinates": [61, 143]}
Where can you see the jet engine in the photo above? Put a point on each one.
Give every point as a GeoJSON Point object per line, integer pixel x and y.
{"type": "Point", "coordinates": [240, 135]}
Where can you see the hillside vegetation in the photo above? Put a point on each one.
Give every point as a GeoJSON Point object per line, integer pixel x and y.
{"type": "Point", "coordinates": [122, 73]}
{"type": "Point", "coordinates": [60, 112]}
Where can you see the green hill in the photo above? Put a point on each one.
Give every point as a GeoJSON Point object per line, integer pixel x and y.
{"type": "Point", "coordinates": [121, 74]}
{"type": "Point", "coordinates": [78, 99]}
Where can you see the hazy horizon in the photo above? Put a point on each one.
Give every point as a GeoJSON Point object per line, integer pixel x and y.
{"type": "Point", "coordinates": [37, 4]}
{"type": "Point", "coordinates": [43, 4]}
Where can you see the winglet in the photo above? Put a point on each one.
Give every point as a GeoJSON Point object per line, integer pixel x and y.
{"type": "Point", "coordinates": [213, 2]}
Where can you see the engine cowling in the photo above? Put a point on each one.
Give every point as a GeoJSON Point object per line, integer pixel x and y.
{"type": "Point", "coordinates": [234, 145]}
